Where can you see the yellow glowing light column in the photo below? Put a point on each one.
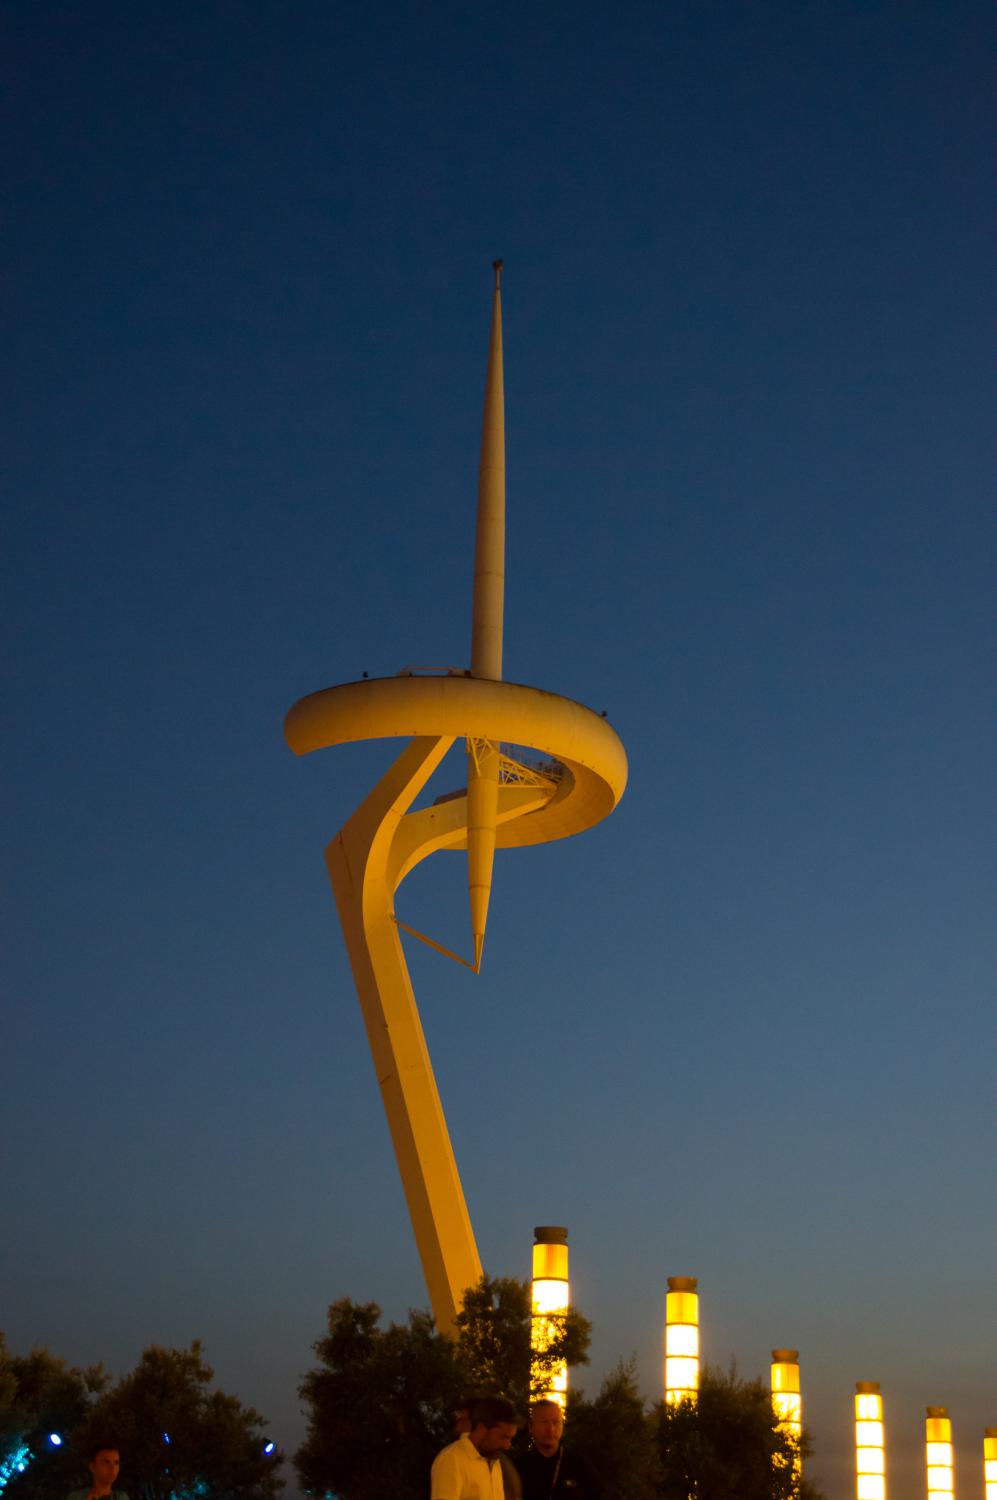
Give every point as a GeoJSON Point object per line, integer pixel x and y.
{"type": "Point", "coordinates": [787, 1403]}
{"type": "Point", "coordinates": [990, 1462]}
{"type": "Point", "coordinates": [681, 1339]}
{"type": "Point", "coordinates": [870, 1454]}
{"type": "Point", "coordinates": [551, 1300]}
{"type": "Point", "coordinates": [938, 1452]}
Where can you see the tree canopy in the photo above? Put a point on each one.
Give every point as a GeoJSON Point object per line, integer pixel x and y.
{"type": "Point", "coordinates": [727, 1444]}
{"type": "Point", "coordinates": [614, 1437]}
{"type": "Point", "coordinates": [40, 1394]}
{"type": "Point", "coordinates": [178, 1439]}
{"type": "Point", "coordinates": [377, 1404]}
{"type": "Point", "coordinates": [493, 1342]}
{"type": "Point", "coordinates": [381, 1401]}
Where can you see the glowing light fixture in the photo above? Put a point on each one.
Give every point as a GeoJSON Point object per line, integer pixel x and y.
{"type": "Point", "coordinates": [938, 1452]}
{"type": "Point", "coordinates": [787, 1403]}
{"type": "Point", "coordinates": [16, 1462]}
{"type": "Point", "coordinates": [551, 1300]}
{"type": "Point", "coordinates": [269, 1447]}
{"type": "Point", "coordinates": [870, 1448]}
{"type": "Point", "coordinates": [990, 1462]}
{"type": "Point", "coordinates": [681, 1339]}
{"type": "Point", "coordinates": [55, 1440]}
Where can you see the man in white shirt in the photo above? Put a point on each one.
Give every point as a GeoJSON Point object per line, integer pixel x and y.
{"type": "Point", "coordinates": [469, 1468]}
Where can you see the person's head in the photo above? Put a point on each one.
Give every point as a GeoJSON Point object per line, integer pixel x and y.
{"type": "Point", "coordinates": [105, 1461]}
{"type": "Point", "coordinates": [493, 1426]}
{"type": "Point", "coordinates": [546, 1426]}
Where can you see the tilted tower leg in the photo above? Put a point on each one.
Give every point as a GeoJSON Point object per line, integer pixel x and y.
{"type": "Point", "coordinates": [363, 875]}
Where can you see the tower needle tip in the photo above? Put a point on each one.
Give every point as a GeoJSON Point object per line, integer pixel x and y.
{"type": "Point", "coordinates": [497, 268]}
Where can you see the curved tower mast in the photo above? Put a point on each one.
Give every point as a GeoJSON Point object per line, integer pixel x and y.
{"type": "Point", "coordinates": [486, 629]}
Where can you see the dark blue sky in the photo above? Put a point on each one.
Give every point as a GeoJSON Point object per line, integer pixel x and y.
{"type": "Point", "coordinates": [744, 1029]}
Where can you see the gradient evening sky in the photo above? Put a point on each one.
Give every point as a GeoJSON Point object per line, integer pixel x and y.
{"type": "Point", "coordinates": [744, 1029]}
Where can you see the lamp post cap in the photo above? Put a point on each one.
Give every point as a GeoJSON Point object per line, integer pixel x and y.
{"type": "Point", "coordinates": [867, 1387]}
{"type": "Point", "coordinates": [682, 1283]}
{"type": "Point", "coordinates": [786, 1356]}
{"type": "Point", "coordinates": [990, 1432]}
{"type": "Point", "coordinates": [937, 1411]}
{"type": "Point", "coordinates": [550, 1234]}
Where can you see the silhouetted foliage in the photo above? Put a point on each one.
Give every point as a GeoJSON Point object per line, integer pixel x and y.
{"type": "Point", "coordinates": [493, 1337]}
{"type": "Point", "coordinates": [381, 1401]}
{"type": "Point", "coordinates": [726, 1445]}
{"type": "Point", "coordinates": [379, 1404]}
{"type": "Point", "coordinates": [41, 1394]}
{"type": "Point", "coordinates": [614, 1437]}
{"type": "Point", "coordinates": [215, 1443]}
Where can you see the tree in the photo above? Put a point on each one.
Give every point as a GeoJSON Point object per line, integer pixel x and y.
{"type": "Point", "coordinates": [381, 1401]}
{"type": "Point", "coordinates": [493, 1339]}
{"type": "Point", "coordinates": [379, 1404]}
{"type": "Point", "coordinates": [612, 1434]}
{"type": "Point", "coordinates": [178, 1439]}
{"type": "Point", "coordinates": [727, 1444]}
{"type": "Point", "coordinates": [215, 1447]}
{"type": "Point", "coordinates": [40, 1394]}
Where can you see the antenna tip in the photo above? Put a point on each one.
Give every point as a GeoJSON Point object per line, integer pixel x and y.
{"type": "Point", "coordinates": [497, 268]}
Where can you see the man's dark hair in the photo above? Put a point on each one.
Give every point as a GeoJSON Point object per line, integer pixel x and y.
{"type": "Point", "coordinates": [490, 1411]}
{"type": "Point", "coordinates": [546, 1401]}
{"type": "Point", "coordinates": [105, 1445]}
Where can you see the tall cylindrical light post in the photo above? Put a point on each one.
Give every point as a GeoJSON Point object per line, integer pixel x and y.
{"type": "Point", "coordinates": [681, 1339]}
{"type": "Point", "coordinates": [870, 1447]}
{"type": "Point", "coordinates": [551, 1300]}
{"type": "Point", "coordinates": [938, 1453]}
{"type": "Point", "coordinates": [990, 1462]}
{"type": "Point", "coordinates": [787, 1402]}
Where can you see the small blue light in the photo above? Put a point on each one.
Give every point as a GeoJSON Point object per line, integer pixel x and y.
{"type": "Point", "coordinates": [269, 1447]}
{"type": "Point", "coordinates": [55, 1440]}
{"type": "Point", "coordinates": [166, 1437]}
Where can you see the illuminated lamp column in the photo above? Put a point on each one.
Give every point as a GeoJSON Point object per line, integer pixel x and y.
{"type": "Point", "coordinates": [681, 1339]}
{"type": "Point", "coordinates": [551, 1300]}
{"type": "Point", "coordinates": [870, 1455]}
{"type": "Point", "coordinates": [990, 1462]}
{"type": "Point", "coordinates": [938, 1452]}
{"type": "Point", "coordinates": [787, 1403]}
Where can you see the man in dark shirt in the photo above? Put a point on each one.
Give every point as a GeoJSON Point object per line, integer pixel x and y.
{"type": "Point", "coordinates": [549, 1470]}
